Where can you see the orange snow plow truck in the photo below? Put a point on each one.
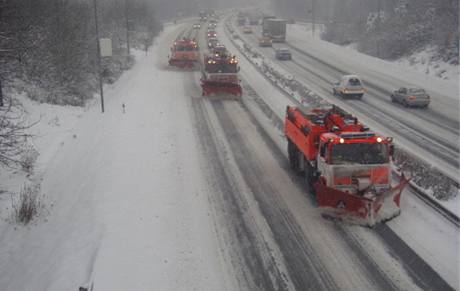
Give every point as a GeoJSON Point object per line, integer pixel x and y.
{"type": "Point", "coordinates": [184, 54]}
{"type": "Point", "coordinates": [347, 166]}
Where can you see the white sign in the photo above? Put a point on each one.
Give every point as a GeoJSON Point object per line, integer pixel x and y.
{"type": "Point", "coordinates": [106, 47]}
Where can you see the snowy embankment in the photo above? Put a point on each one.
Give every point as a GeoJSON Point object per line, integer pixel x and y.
{"type": "Point", "coordinates": [125, 205]}
{"type": "Point", "coordinates": [422, 62]}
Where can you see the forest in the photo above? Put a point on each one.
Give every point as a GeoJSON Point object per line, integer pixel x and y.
{"type": "Point", "coordinates": [386, 29]}
{"type": "Point", "coordinates": [48, 47]}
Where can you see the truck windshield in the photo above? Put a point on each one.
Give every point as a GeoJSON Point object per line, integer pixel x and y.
{"type": "Point", "coordinates": [359, 153]}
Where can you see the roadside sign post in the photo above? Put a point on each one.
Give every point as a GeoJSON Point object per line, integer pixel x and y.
{"type": "Point", "coordinates": [101, 87]}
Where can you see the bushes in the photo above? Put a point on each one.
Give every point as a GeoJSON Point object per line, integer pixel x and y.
{"type": "Point", "coordinates": [28, 204]}
{"type": "Point", "coordinates": [28, 158]}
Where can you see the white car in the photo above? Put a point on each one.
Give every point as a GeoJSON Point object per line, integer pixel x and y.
{"type": "Point", "coordinates": [349, 86]}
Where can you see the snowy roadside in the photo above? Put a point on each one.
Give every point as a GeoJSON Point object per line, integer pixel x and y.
{"type": "Point", "coordinates": [52, 125]}
{"type": "Point", "coordinates": [125, 205]}
{"type": "Point", "coordinates": [420, 63]}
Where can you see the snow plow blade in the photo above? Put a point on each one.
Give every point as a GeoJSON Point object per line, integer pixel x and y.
{"type": "Point", "coordinates": [214, 88]}
{"type": "Point", "coordinates": [184, 64]}
{"type": "Point", "coordinates": [368, 209]}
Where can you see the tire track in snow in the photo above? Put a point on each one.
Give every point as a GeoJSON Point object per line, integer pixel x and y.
{"type": "Point", "coordinates": [288, 234]}
{"type": "Point", "coordinates": [253, 258]}
{"type": "Point", "coordinates": [304, 265]}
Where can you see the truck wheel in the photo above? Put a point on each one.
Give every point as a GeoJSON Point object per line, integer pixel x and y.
{"type": "Point", "coordinates": [293, 154]}
{"type": "Point", "coordinates": [309, 179]}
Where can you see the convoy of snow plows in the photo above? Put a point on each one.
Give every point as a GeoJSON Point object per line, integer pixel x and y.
{"type": "Point", "coordinates": [344, 164]}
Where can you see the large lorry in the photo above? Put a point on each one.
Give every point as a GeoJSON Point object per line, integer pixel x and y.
{"type": "Point", "coordinates": [220, 73]}
{"type": "Point", "coordinates": [253, 18]}
{"type": "Point", "coordinates": [265, 19]}
{"type": "Point", "coordinates": [184, 53]}
{"type": "Point", "coordinates": [345, 165]}
{"type": "Point", "coordinates": [241, 20]}
{"type": "Point", "coordinates": [203, 16]}
{"type": "Point", "coordinates": [276, 29]}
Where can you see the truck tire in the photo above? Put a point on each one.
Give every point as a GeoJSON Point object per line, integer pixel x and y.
{"type": "Point", "coordinates": [310, 179]}
{"type": "Point", "coordinates": [293, 154]}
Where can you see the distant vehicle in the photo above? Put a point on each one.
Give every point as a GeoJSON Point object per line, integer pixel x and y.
{"type": "Point", "coordinates": [241, 20]}
{"type": "Point", "coordinates": [411, 97]}
{"type": "Point", "coordinates": [196, 26]}
{"type": "Point", "coordinates": [253, 19]}
{"type": "Point", "coordinates": [265, 41]}
{"type": "Point", "coordinates": [184, 54]}
{"type": "Point", "coordinates": [203, 16]}
{"type": "Point", "coordinates": [276, 29]}
{"type": "Point", "coordinates": [349, 86]}
{"type": "Point", "coordinates": [283, 54]}
{"type": "Point", "coordinates": [212, 25]}
{"type": "Point", "coordinates": [220, 75]}
{"type": "Point", "coordinates": [291, 21]}
{"type": "Point", "coordinates": [212, 42]}
{"type": "Point", "coordinates": [236, 36]}
{"type": "Point", "coordinates": [265, 19]}
{"type": "Point", "coordinates": [219, 50]}
{"type": "Point", "coordinates": [212, 33]}
{"type": "Point", "coordinates": [247, 30]}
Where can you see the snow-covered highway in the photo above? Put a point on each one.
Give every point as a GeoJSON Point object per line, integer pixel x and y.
{"type": "Point", "coordinates": [184, 192]}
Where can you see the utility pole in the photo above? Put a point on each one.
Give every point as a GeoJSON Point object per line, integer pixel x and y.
{"type": "Point", "coordinates": [1, 94]}
{"type": "Point", "coordinates": [127, 26]}
{"type": "Point", "coordinates": [101, 87]}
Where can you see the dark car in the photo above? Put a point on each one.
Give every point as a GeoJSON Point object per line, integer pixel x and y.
{"type": "Point", "coordinates": [411, 97]}
{"type": "Point", "coordinates": [212, 42]}
{"type": "Point", "coordinates": [283, 54]}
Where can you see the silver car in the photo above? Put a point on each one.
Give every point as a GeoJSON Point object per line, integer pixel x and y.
{"type": "Point", "coordinates": [411, 97]}
{"type": "Point", "coordinates": [349, 86]}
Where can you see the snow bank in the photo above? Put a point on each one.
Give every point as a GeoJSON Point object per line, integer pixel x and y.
{"type": "Point", "coordinates": [127, 207]}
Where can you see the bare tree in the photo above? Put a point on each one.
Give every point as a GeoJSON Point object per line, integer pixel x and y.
{"type": "Point", "coordinates": [13, 135]}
